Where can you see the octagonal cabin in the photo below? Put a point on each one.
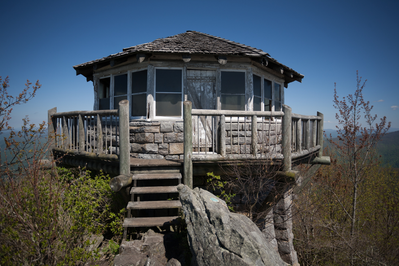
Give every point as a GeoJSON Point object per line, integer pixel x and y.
{"type": "Point", "coordinates": [178, 108]}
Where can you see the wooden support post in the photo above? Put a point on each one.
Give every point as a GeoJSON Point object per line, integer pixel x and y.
{"type": "Point", "coordinates": [299, 135]}
{"type": "Point", "coordinates": [320, 133]}
{"type": "Point", "coordinates": [254, 134]}
{"type": "Point", "coordinates": [223, 135]}
{"type": "Point", "coordinates": [188, 144]}
{"type": "Point", "coordinates": [100, 141]}
{"type": "Point", "coordinates": [52, 129]}
{"type": "Point", "coordinates": [287, 121]}
{"type": "Point", "coordinates": [307, 134]}
{"type": "Point", "coordinates": [314, 137]}
{"type": "Point", "coordinates": [65, 133]}
{"type": "Point", "coordinates": [81, 138]}
{"type": "Point", "coordinates": [124, 145]}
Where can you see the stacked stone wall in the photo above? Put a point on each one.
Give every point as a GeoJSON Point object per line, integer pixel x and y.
{"type": "Point", "coordinates": [156, 139]}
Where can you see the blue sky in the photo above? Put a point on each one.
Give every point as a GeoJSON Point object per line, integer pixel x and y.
{"type": "Point", "coordinates": [327, 41]}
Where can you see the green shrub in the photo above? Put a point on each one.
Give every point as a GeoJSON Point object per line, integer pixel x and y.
{"type": "Point", "coordinates": [46, 218]}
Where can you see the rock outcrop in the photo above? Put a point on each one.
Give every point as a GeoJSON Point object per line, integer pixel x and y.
{"type": "Point", "coordinates": [154, 249]}
{"type": "Point", "coordinates": [218, 237]}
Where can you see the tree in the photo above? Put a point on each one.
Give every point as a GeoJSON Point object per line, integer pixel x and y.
{"type": "Point", "coordinates": [7, 101]}
{"type": "Point", "coordinates": [338, 209]}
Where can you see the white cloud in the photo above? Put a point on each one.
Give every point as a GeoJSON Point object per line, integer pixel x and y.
{"type": "Point", "coordinates": [379, 101]}
{"type": "Point", "coordinates": [394, 107]}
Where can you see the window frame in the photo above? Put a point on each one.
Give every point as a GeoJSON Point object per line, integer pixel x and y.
{"type": "Point", "coordinates": [154, 111]}
{"type": "Point", "coordinates": [245, 87]}
{"type": "Point", "coordinates": [128, 94]}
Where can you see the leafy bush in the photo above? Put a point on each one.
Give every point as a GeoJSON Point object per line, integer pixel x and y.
{"type": "Point", "coordinates": [46, 218]}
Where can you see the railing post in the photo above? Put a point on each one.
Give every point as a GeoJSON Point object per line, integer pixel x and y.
{"type": "Point", "coordinates": [299, 135]}
{"type": "Point", "coordinates": [100, 141]}
{"type": "Point", "coordinates": [307, 134]}
{"type": "Point", "coordinates": [188, 144]}
{"type": "Point", "coordinates": [320, 133]}
{"type": "Point", "coordinates": [254, 134]}
{"type": "Point", "coordinates": [51, 131]}
{"type": "Point", "coordinates": [124, 145]}
{"type": "Point", "coordinates": [223, 135]}
{"type": "Point", "coordinates": [314, 137]}
{"type": "Point", "coordinates": [287, 121]}
{"type": "Point", "coordinates": [81, 137]}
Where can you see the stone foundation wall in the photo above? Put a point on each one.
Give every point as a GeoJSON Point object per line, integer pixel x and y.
{"type": "Point", "coordinates": [156, 139]}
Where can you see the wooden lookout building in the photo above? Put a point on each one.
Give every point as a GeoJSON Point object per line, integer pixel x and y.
{"type": "Point", "coordinates": [178, 107]}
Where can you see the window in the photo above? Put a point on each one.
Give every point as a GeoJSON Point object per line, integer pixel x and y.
{"type": "Point", "coordinates": [277, 97]}
{"type": "Point", "coordinates": [120, 89]}
{"type": "Point", "coordinates": [104, 94]}
{"type": "Point", "coordinates": [267, 92]}
{"type": "Point", "coordinates": [233, 90]}
{"type": "Point", "coordinates": [138, 100]}
{"type": "Point", "coordinates": [168, 92]}
{"type": "Point", "coordinates": [257, 93]}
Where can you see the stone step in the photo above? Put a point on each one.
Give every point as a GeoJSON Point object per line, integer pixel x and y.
{"type": "Point", "coordinates": [154, 190]}
{"type": "Point", "coordinates": [154, 176]}
{"type": "Point", "coordinates": [158, 204]}
{"type": "Point", "coordinates": [149, 221]}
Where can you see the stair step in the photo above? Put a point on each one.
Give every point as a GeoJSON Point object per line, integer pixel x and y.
{"type": "Point", "coordinates": [154, 176]}
{"type": "Point", "coordinates": [155, 190]}
{"type": "Point", "coordinates": [158, 204]}
{"type": "Point", "coordinates": [149, 221]}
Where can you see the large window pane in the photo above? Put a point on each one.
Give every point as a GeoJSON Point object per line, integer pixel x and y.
{"type": "Point", "coordinates": [168, 80]}
{"type": "Point", "coordinates": [120, 85]}
{"type": "Point", "coordinates": [268, 89]}
{"type": "Point", "coordinates": [277, 92]}
{"type": "Point", "coordinates": [257, 103]}
{"type": "Point", "coordinates": [168, 104]}
{"type": "Point", "coordinates": [117, 100]}
{"type": "Point", "coordinates": [233, 102]}
{"type": "Point", "coordinates": [233, 82]}
{"type": "Point", "coordinates": [139, 104]}
{"type": "Point", "coordinates": [139, 81]}
{"type": "Point", "coordinates": [103, 94]}
{"type": "Point", "coordinates": [268, 105]}
{"type": "Point", "coordinates": [103, 104]}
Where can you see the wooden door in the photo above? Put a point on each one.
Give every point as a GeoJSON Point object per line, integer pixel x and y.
{"type": "Point", "coordinates": [201, 91]}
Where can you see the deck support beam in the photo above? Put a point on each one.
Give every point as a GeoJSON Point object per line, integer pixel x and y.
{"type": "Point", "coordinates": [188, 144]}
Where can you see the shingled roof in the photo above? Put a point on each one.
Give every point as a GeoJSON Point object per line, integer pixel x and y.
{"type": "Point", "coordinates": [190, 42]}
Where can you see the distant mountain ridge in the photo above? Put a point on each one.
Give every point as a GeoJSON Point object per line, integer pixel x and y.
{"type": "Point", "coordinates": [387, 147]}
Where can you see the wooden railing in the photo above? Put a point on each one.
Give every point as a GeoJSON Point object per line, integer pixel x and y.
{"type": "Point", "coordinates": [232, 135]}
{"type": "Point", "coordinates": [102, 134]}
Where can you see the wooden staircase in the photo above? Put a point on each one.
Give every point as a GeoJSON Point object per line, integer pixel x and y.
{"type": "Point", "coordinates": [154, 199]}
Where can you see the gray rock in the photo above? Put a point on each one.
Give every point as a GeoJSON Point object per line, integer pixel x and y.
{"type": "Point", "coordinates": [218, 237]}
{"type": "Point", "coordinates": [153, 249]}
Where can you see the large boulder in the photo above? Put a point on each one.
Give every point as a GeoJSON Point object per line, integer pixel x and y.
{"type": "Point", "coordinates": [218, 237]}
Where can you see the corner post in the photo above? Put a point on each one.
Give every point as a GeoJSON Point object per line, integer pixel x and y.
{"type": "Point", "coordinates": [188, 144]}
{"type": "Point", "coordinates": [124, 145]}
{"type": "Point", "coordinates": [51, 131]}
{"type": "Point", "coordinates": [320, 133]}
{"type": "Point", "coordinates": [287, 121]}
